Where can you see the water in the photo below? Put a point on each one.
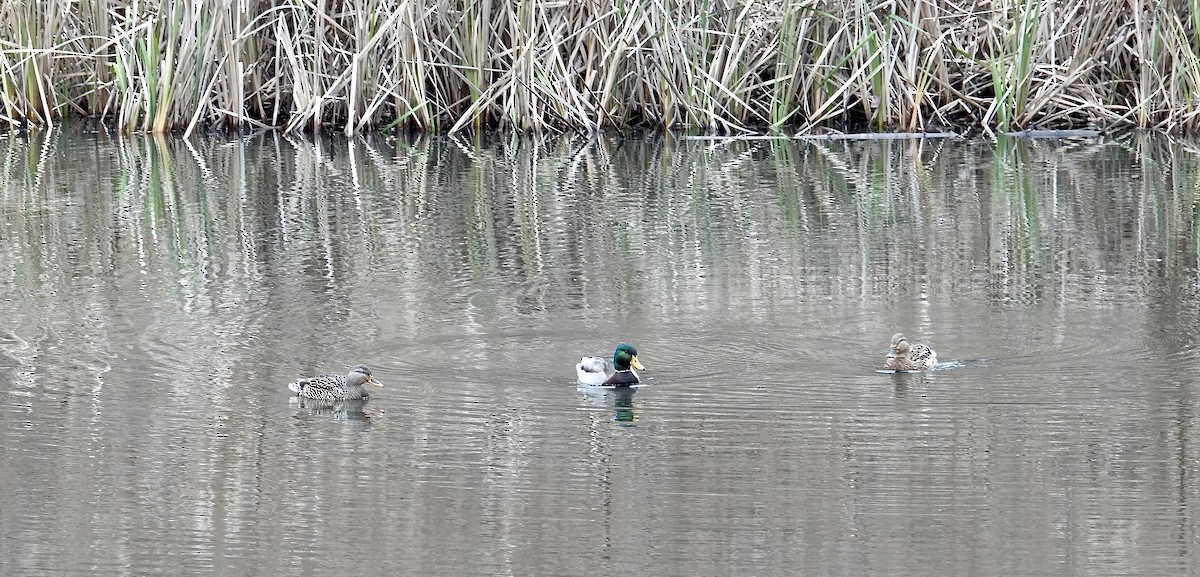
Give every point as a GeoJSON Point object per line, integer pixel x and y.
{"type": "Point", "coordinates": [159, 294]}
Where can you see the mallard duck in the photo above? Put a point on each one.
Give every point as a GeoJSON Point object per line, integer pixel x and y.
{"type": "Point", "coordinates": [906, 357]}
{"type": "Point", "coordinates": [335, 387]}
{"type": "Point", "coordinates": [617, 371]}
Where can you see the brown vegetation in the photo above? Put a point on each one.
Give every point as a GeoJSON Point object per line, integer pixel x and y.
{"type": "Point", "coordinates": [712, 65]}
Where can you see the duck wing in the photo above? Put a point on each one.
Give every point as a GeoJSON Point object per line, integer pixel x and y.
{"type": "Point", "coordinates": [594, 370]}
{"type": "Point", "coordinates": [320, 387]}
{"type": "Point", "coordinates": [922, 356]}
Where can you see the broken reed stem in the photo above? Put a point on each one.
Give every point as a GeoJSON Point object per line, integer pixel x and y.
{"type": "Point", "coordinates": [722, 66]}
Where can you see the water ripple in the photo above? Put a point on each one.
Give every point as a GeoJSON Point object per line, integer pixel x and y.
{"type": "Point", "coordinates": [152, 324]}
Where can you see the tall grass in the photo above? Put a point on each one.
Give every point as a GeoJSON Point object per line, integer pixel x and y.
{"type": "Point", "coordinates": [584, 65]}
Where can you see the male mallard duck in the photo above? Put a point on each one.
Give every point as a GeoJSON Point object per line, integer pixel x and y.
{"type": "Point", "coordinates": [335, 387]}
{"type": "Point", "coordinates": [617, 371]}
{"type": "Point", "coordinates": [906, 357]}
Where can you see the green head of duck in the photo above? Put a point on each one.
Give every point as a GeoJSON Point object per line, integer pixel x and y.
{"type": "Point", "coordinates": [624, 356]}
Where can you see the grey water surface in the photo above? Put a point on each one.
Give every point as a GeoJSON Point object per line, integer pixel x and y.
{"type": "Point", "coordinates": [158, 295]}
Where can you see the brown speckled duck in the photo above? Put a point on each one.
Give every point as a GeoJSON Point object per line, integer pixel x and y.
{"type": "Point", "coordinates": [335, 387]}
{"type": "Point", "coordinates": [907, 357]}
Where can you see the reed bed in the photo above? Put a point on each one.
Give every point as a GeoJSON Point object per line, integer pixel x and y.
{"type": "Point", "coordinates": [721, 66]}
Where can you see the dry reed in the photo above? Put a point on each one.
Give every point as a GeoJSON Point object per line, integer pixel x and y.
{"type": "Point", "coordinates": [725, 66]}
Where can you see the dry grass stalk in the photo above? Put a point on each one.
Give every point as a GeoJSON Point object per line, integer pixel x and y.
{"type": "Point", "coordinates": [715, 65]}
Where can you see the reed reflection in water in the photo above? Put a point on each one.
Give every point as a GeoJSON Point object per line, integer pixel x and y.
{"type": "Point", "coordinates": [159, 294]}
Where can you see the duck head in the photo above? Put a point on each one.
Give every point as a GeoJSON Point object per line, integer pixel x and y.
{"type": "Point", "coordinates": [361, 375]}
{"type": "Point", "coordinates": [624, 356]}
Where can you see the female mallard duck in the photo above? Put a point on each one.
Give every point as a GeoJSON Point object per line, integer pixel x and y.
{"type": "Point", "coordinates": [906, 357]}
{"type": "Point", "coordinates": [617, 371]}
{"type": "Point", "coordinates": [335, 387]}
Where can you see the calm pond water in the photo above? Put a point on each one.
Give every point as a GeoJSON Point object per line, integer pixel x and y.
{"type": "Point", "coordinates": [159, 294]}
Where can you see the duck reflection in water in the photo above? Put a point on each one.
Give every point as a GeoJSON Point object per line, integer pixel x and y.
{"type": "Point", "coordinates": [621, 400]}
{"type": "Point", "coordinates": [623, 405]}
{"type": "Point", "coordinates": [352, 411]}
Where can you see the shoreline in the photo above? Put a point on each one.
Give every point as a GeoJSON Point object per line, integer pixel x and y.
{"type": "Point", "coordinates": [727, 67]}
